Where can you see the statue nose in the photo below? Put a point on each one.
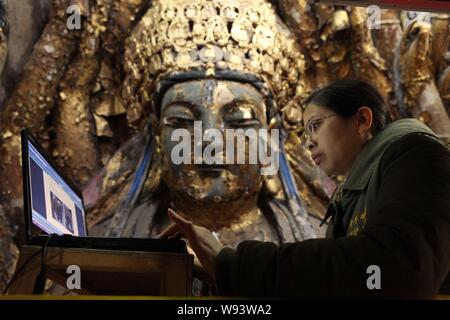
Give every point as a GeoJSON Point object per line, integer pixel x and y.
{"type": "Point", "coordinates": [212, 120]}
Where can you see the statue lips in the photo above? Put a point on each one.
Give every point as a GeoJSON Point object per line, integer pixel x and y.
{"type": "Point", "coordinates": [210, 169]}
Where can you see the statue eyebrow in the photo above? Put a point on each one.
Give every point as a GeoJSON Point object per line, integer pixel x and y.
{"type": "Point", "coordinates": [237, 103]}
{"type": "Point", "coordinates": [190, 105]}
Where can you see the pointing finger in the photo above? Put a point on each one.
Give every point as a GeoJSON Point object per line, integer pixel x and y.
{"type": "Point", "coordinates": [169, 231]}
{"type": "Point", "coordinates": [185, 225]}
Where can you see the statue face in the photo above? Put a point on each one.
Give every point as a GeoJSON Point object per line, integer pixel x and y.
{"type": "Point", "coordinates": [203, 191]}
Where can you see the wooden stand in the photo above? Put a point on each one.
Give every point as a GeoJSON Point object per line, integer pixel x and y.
{"type": "Point", "coordinates": [107, 272]}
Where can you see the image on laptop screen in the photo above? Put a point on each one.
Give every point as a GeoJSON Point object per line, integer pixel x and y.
{"type": "Point", "coordinates": [56, 207]}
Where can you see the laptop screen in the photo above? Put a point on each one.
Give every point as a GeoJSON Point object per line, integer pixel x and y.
{"type": "Point", "coordinates": [55, 206]}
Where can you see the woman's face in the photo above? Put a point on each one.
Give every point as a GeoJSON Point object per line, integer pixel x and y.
{"type": "Point", "coordinates": [334, 141]}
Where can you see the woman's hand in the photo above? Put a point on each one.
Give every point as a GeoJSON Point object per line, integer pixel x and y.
{"type": "Point", "coordinates": [201, 240]}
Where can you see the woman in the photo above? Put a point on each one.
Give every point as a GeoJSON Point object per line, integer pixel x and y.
{"type": "Point", "coordinates": [389, 230]}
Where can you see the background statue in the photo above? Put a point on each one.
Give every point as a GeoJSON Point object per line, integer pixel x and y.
{"type": "Point", "coordinates": [99, 100]}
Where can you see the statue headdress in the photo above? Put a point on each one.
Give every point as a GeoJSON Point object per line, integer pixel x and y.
{"type": "Point", "coordinates": [221, 38]}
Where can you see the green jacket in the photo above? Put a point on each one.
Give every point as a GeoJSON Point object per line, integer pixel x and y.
{"type": "Point", "coordinates": [393, 211]}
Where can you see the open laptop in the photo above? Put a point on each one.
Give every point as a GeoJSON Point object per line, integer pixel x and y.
{"type": "Point", "coordinates": [54, 206]}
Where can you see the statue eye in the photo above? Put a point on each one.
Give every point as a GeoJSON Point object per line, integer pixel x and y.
{"type": "Point", "coordinates": [177, 115]}
{"type": "Point", "coordinates": [239, 123]}
{"type": "Point", "coordinates": [241, 116]}
{"type": "Point", "coordinates": [178, 121]}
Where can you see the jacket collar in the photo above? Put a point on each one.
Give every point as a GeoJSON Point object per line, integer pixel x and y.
{"type": "Point", "coordinates": [368, 158]}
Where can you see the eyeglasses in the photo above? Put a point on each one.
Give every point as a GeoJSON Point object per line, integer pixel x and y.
{"type": "Point", "coordinates": [312, 127]}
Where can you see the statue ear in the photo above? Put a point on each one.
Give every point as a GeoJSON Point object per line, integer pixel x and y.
{"type": "Point", "coordinates": [153, 180]}
{"type": "Point", "coordinates": [154, 126]}
{"type": "Point", "coordinates": [272, 185]}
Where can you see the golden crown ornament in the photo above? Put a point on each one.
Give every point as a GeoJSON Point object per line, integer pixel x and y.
{"type": "Point", "coordinates": [176, 36]}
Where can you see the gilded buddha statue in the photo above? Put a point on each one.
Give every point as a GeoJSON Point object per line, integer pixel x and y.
{"type": "Point", "coordinates": [228, 65]}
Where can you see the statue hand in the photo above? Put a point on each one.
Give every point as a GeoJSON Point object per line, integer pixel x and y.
{"type": "Point", "coordinates": [201, 240]}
